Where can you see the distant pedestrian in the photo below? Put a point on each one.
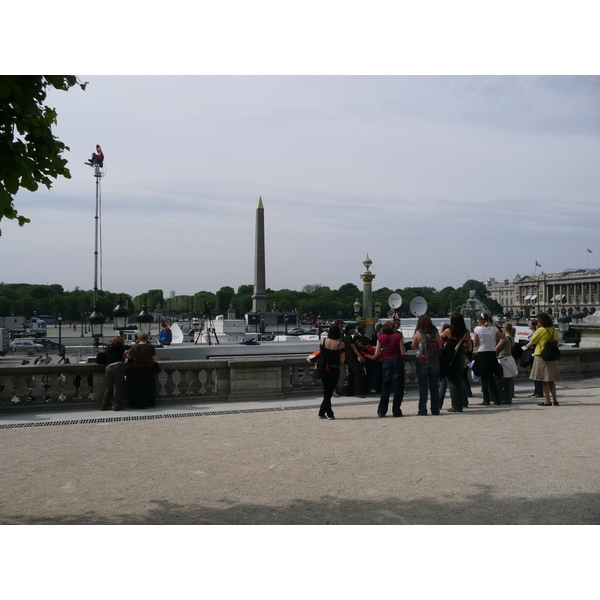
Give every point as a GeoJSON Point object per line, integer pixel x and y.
{"type": "Point", "coordinates": [166, 336]}
{"type": "Point", "coordinates": [62, 353]}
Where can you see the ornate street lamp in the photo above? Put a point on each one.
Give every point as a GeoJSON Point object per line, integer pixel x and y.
{"type": "Point", "coordinates": [96, 320]}
{"type": "Point", "coordinates": [577, 318]}
{"type": "Point", "coordinates": [563, 323]}
{"type": "Point", "coordinates": [120, 314]}
{"type": "Point", "coordinates": [144, 320]}
{"type": "Point", "coordinates": [377, 306]}
{"type": "Point", "coordinates": [577, 315]}
{"type": "Point", "coordinates": [356, 307]}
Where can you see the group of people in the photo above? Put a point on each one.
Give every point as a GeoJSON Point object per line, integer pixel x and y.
{"type": "Point", "coordinates": [442, 362]}
{"type": "Point", "coordinates": [130, 374]}
{"type": "Point", "coordinates": [42, 360]}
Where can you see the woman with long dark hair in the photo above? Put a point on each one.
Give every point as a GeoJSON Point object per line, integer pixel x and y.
{"type": "Point", "coordinates": [332, 350]}
{"type": "Point", "coordinates": [427, 363]}
{"type": "Point", "coordinates": [457, 337]}
{"type": "Point", "coordinates": [486, 363]}
{"type": "Point", "coordinates": [391, 346]}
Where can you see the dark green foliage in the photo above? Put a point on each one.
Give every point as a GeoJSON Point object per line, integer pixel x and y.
{"type": "Point", "coordinates": [25, 300]}
{"type": "Point", "coordinates": [315, 299]}
{"type": "Point", "coordinates": [30, 155]}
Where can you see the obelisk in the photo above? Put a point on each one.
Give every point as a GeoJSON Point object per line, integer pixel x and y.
{"type": "Point", "coordinates": [259, 298]}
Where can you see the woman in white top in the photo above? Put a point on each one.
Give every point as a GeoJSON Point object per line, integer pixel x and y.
{"type": "Point", "coordinates": [486, 363]}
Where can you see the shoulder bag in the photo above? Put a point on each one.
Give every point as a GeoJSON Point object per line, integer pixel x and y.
{"type": "Point", "coordinates": [551, 350]}
{"type": "Point", "coordinates": [447, 356]}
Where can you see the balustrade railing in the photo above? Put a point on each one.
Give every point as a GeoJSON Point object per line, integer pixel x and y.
{"type": "Point", "coordinates": [220, 380]}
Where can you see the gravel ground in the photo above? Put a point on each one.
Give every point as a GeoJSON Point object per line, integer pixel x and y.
{"type": "Point", "coordinates": [518, 464]}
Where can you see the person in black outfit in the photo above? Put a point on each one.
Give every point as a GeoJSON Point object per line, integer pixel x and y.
{"type": "Point", "coordinates": [115, 374]}
{"type": "Point", "coordinates": [142, 391]}
{"type": "Point", "coordinates": [333, 350]}
{"type": "Point", "coordinates": [354, 360]}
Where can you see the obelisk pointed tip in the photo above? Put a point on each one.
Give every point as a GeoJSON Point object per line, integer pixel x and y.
{"type": "Point", "coordinates": [260, 204]}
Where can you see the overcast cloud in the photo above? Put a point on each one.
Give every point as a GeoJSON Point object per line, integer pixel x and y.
{"type": "Point", "coordinates": [437, 178]}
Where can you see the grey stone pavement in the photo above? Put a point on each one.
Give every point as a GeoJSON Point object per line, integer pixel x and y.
{"type": "Point", "coordinates": [275, 462]}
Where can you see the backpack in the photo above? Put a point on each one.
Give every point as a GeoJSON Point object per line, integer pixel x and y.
{"type": "Point", "coordinates": [551, 350]}
{"type": "Point", "coordinates": [429, 350]}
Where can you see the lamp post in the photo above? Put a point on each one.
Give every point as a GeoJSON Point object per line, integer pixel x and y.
{"type": "Point", "coordinates": [367, 278]}
{"type": "Point", "coordinates": [158, 314]}
{"type": "Point", "coordinates": [120, 314]}
{"type": "Point", "coordinates": [96, 320]}
{"type": "Point", "coordinates": [262, 325]}
{"type": "Point", "coordinates": [59, 319]}
{"type": "Point", "coordinates": [144, 320]}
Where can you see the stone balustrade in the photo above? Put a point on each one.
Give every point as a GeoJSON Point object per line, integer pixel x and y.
{"type": "Point", "coordinates": [223, 380]}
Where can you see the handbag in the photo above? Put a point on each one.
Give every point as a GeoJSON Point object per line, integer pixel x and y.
{"type": "Point", "coordinates": [509, 367]}
{"type": "Point", "coordinates": [321, 368]}
{"type": "Point", "coordinates": [527, 357]}
{"type": "Point", "coordinates": [551, 350]}
{"type": "Point", "coordinates": [314, 357]}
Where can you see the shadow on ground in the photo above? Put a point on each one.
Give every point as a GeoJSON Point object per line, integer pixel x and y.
{"type": "Point", "coordinates": [483, 508]}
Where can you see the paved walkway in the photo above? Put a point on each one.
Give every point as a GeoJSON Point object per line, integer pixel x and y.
{"type": "Point", "coordinates": [276, 463]}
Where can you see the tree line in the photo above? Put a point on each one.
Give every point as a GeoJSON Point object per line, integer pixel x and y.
{"type": "Point", "coordinates": [318, 300]}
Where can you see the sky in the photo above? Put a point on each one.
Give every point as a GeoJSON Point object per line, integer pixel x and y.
{"type": "Point", "coordinates": [438, 178]}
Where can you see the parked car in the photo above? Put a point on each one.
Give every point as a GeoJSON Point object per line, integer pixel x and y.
{"type": "Point", "coordinates": [47, 344]}
{"type": "Point", "coordinates": [28, 346]}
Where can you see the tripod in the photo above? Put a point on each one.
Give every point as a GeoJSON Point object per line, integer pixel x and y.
{"type": "Point", "coordinates": [207, 323]}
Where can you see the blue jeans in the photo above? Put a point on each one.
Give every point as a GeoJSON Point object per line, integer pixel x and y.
{"type": "Point", "coordinates": [428, 377]}
{"type": "Point", "coordinates": [442, 390]}
{"type": "Point", "coordinates": [393, 376]}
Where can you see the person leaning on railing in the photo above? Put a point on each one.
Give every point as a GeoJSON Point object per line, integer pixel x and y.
{"type": "Point", "coordinates": [115, 374]}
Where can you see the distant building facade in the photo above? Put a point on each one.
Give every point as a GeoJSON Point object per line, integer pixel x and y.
{"type": "Point", "coordinates": [548, 292]}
